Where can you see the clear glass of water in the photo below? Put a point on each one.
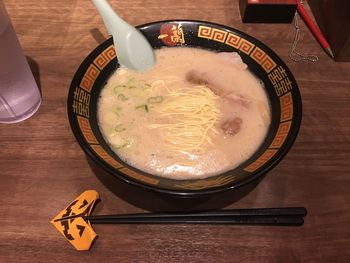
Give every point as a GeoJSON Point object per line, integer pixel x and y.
{"type": "Point", "coordinates": [20, 97]}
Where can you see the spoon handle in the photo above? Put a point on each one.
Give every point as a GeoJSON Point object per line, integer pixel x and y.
{"type": "Point", "coordinates": [109, 16]}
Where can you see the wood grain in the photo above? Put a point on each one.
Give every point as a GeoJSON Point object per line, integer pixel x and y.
{"type": "Point", "coordinates": [337, 35]}
{"type": "Point", "coordinates": [43, 167]}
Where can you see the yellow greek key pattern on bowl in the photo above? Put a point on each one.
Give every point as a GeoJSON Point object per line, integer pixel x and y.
{"type": "Point", "coordinates": [89, 78]}
{"type": "Point", "coordinates": [106, 157]}
{"type": "Point", "coordinates": [233, 40]}
{"type": "Point", "coordinates": [227, 38]}
{"type": "Point", "coordinates": [246, 46]}
{"type": "Point", "coordinates": [281, 134]}
{"type": "Point", "coordinates": [263, 59]}
{"type": "Point", "coordinates": [138, 176]}
{"type": "Point", "coordinates": [86, 130]}
{"type": "Point", "coordinates": [206, 183]}
{"type": "Point", "coordinates": [105, 57]}
{"type": "Point", "coordinates": [212, 33]}
{"type": "Point", "coordinates": [239, 43]}
{"type": "Point", "coordinates": [205, 32]}
{"type": "Point", "coordinates": [264, 158]}
{"type": "Point", "coordinates": [219, 35]}
{"type": "Point", "coordinates": [286, 102]}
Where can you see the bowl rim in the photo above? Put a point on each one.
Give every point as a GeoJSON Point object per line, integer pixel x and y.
{"type": "Point", "coordinates": [297, 119]}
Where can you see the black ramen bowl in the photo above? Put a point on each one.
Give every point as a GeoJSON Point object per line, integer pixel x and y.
{"type": "Point", "coordinates": [279, 83]}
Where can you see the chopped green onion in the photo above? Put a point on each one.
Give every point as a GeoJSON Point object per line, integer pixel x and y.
{"type": "Point", "coordinates": [144, 106]}
{"type": "Point", "coordinates": [121, 145]}
{"type": "Point", "coordinates": [118, 87]}
{"type": "Point", "coordinates": [119, 128]}
{"type": "Point", "coordinates": [118, 110]}
{"type": "Point", "coordinates": [121, 96]}
{"type": "Point", "coordinates": [131, 79]}
{"type": "Point", "coordinates": [118, 142]}
{"type": "Point", "coordinates": [157, 99]}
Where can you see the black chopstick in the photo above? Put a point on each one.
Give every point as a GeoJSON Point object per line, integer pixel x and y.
{"type": "Point", "coordinates": [236, 220]}
{"type": "Point", "coordinates": [292, 216]}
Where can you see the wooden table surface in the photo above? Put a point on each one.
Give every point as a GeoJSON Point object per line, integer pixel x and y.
{"type": "Point", "coordinates": [43, 168]}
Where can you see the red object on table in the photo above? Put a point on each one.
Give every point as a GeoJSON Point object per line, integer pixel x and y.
{"type": "Point", "coordinates": [314, 29]}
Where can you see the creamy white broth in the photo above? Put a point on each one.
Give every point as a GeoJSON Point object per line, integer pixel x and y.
{"type": "Point", "coordinates": [134, 115]}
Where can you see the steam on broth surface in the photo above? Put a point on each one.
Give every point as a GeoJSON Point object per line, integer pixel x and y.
{"type": "Point", "coordinates": [195, 114]}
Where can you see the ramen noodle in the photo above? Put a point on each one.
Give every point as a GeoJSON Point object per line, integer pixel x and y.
{"type": "Point", "coordinates": [195, 114]}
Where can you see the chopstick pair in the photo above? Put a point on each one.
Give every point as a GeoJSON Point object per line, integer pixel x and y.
{"type": "Point", "coordinates": [287, 216]}
{"type": "Point", "coordinates": [74, 222]}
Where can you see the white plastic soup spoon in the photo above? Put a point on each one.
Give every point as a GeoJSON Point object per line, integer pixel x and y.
{"type": "Point", "coordinates": [132, 48]}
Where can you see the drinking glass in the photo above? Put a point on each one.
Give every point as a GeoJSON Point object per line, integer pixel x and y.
{"type": "Point", "coordinates": [20, 97]}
